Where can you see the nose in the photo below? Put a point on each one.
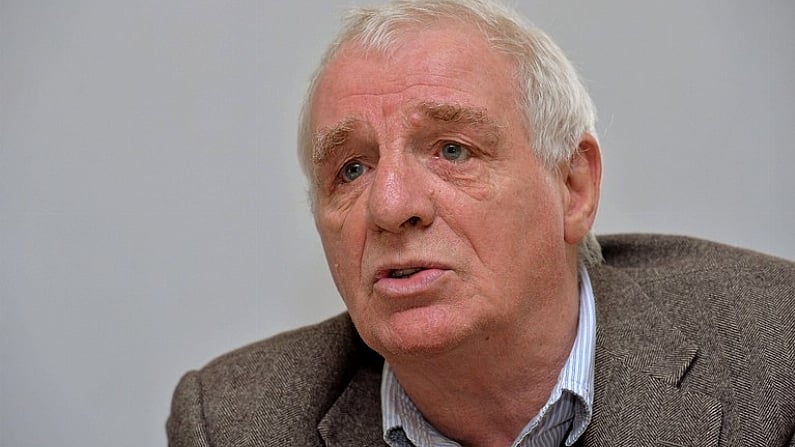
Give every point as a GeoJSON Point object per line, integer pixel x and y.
{"type": "Point", "coordinates": [400, 196]}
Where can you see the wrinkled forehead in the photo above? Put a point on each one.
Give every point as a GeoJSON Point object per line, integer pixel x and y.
{"type": "Point", "coordinates": [456, 52]}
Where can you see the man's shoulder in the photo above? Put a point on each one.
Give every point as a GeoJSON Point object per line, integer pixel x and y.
{"type": "Point", "coordinates": [325, 347]}
{"type": "Point", "coordinates": [734, 303]}
{"type": "Point", "coordinates": [657, 256]}
{"type": "Point", "coordinates": [684, 272]}
{"type": "Point", "coordinates": [277, 389]}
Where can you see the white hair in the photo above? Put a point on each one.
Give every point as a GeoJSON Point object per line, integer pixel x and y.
{"type": "Point", "coordinates": [558, 108]}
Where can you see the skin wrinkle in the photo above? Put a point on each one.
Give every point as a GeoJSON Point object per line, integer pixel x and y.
{"type": "Point", "coordinates": [430, 121]}
{"type": "Point", "coordinates": [328, 139]}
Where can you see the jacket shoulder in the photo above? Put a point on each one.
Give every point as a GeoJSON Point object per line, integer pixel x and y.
{"type": "Point", "coordinates": [655, 252]}
{"type": "Point", "coordinates": [688, 277]}
{"type": "Point", "coordinates": [275, 391]}
{"type": "Point", "coordinates": [282, 356]}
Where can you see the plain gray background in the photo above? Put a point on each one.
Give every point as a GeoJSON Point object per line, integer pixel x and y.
{"type": "Point", "coordinates": [153, 216]}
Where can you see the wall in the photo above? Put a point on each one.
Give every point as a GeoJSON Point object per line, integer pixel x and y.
{"type": "Point", "coordinates": [152, 213]}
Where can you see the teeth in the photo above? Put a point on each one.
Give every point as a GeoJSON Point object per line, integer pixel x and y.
{"type": "Point", "coordinates": [403, 273]}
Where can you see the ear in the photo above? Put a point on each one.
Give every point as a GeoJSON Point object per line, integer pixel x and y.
{"type": "Point", "coordinates": [583, 177]}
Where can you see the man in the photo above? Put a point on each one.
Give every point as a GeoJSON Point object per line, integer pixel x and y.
{"type": "Point", "coordinates": [455, 171]}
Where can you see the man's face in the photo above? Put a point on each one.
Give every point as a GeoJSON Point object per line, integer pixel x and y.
{"type": "Point", "coordinates": [438, 222]}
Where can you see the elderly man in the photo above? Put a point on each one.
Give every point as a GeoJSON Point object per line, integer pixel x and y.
{"type": "Point", "coordinates": [454, 172]}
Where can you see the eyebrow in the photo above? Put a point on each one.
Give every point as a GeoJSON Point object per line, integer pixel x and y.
{"type": "Point", "coordinates": [325, 140]}
{"type": "Point", "coordinates": [472, 117]}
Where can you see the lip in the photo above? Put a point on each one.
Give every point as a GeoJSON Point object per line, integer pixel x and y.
{"type": "Point", "coordinates": [412, 286]}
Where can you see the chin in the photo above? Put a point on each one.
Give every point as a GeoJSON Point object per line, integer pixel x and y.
{"type": "Point", "coordinates": [425, 331]}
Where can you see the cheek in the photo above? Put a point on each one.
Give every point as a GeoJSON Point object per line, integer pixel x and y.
{"type": "Point", "coordinates": [524, 219]}
{"type": "Point", "coordinates": [343, 238]}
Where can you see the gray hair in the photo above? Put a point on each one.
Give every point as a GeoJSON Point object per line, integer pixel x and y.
{"type": "Point", "coordinates": [558, 108]}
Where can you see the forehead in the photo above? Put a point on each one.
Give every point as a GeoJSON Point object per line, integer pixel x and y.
{"type": "Point", "coordinates": [442, 63]}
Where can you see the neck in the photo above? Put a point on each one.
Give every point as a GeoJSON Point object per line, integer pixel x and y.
{"type": "Point", "coordinates": [485, 391]}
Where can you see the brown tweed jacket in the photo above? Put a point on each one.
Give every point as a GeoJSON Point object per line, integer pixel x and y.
{"type": "Point", "coordinates": [695, 347]}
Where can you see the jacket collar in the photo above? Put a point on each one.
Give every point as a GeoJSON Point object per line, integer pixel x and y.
{"type": "Point", "coordinates": [355, 417]}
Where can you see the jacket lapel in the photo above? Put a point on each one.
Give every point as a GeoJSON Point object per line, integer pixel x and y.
{"type": "Point", "coordinates": [641, 360]}
{"type": "Point", "coordinates": [355, 417]}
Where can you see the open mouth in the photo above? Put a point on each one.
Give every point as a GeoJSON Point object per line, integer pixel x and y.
{"type": "Point", "coordinates": [408, 281]}
{"type": "Point", "coordinates": [404, 273]}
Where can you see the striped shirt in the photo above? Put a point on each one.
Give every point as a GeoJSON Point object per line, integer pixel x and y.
{"type": "Point", "coordinates": [564, 417]}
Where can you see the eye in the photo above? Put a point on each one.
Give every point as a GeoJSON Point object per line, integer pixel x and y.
{"type": "Point", "coordinates": [352, 170]}
{"type": "Point", "coordinates": [454, 152]}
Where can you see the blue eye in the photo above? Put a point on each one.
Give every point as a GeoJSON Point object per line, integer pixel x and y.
{"type": "Point", "coordinates": [454, 152]}
{"type": "Point", "coordinates": [352, 170]}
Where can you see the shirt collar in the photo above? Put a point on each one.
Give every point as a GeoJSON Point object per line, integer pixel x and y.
{"type": "Point", "coordinates": [403, 424]}
{"type": "Point", "coordinates": [577, 374]}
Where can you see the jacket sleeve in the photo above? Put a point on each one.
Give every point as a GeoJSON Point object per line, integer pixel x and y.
{"type": "Point", "coordinates": [186, 425]}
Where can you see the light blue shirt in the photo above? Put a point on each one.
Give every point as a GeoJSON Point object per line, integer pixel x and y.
{"type": "Point", "coordinates": [565, 416]}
